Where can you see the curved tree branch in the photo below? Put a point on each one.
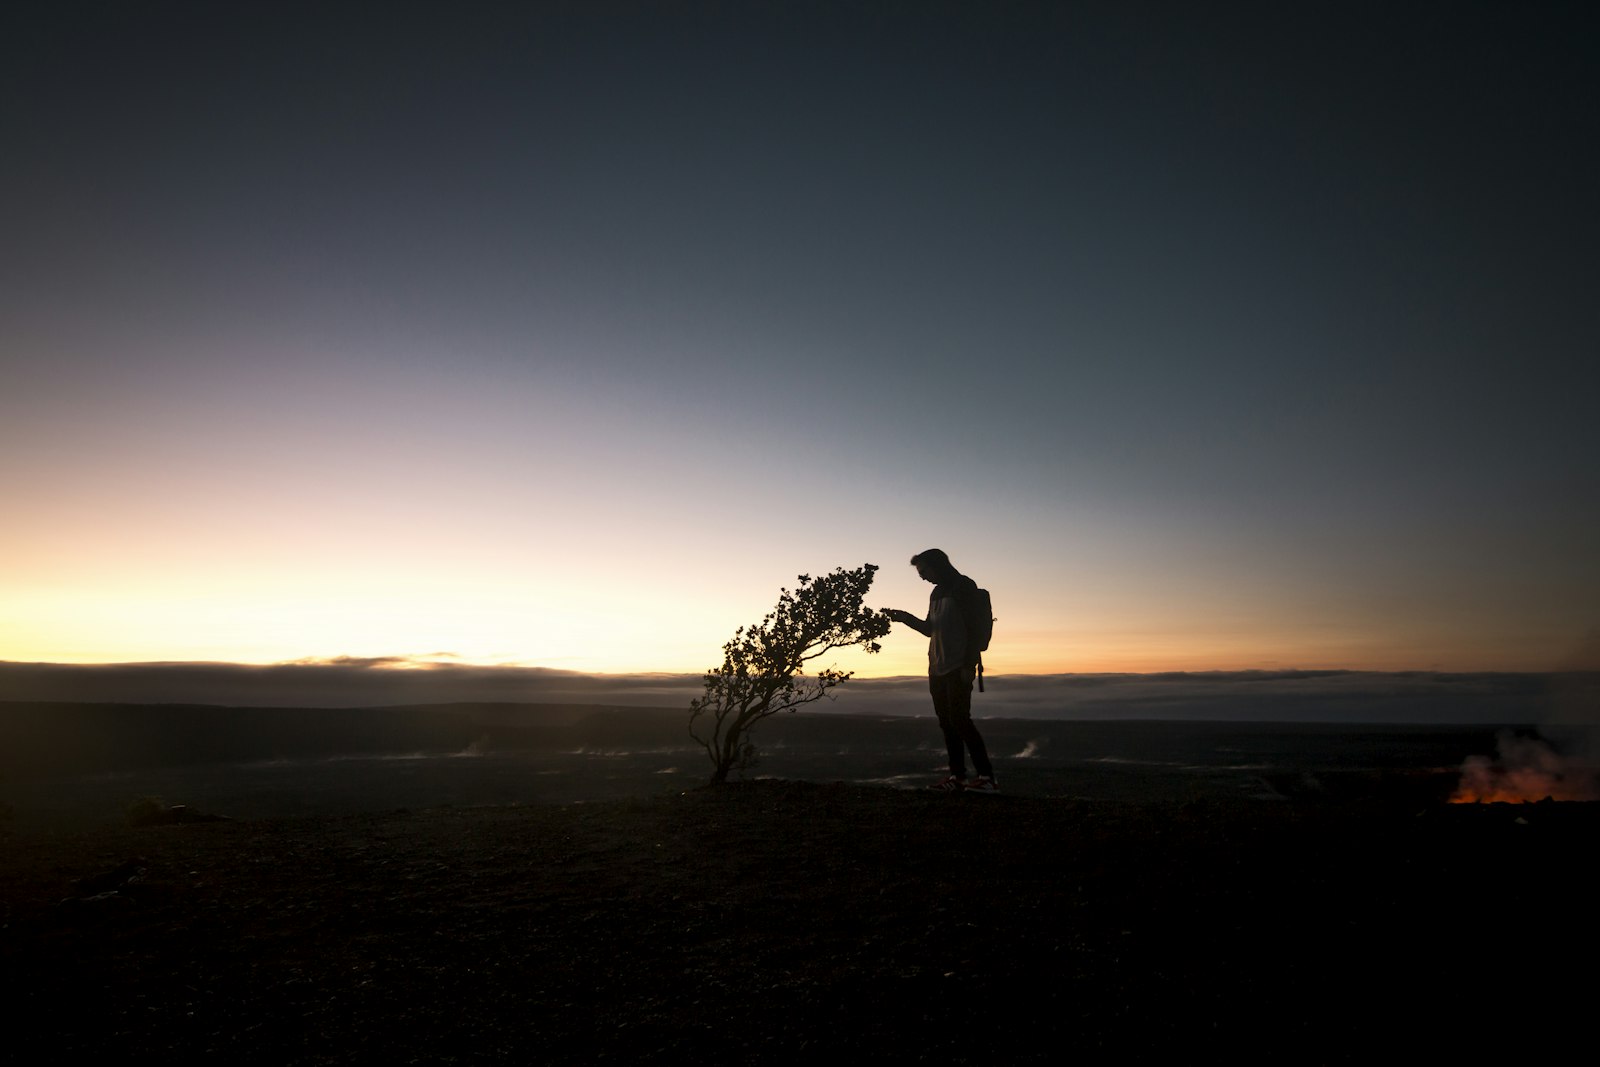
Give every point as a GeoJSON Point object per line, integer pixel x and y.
{"type": "Point", "coordinates": [763, 666]}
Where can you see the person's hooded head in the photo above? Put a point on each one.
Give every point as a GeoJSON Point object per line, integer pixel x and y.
{"type": "Point", "coordinates": [933, 565]}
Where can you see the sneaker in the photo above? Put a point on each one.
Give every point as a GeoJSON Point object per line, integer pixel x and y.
{"type": "Point", "coordinates": [950, 784]}
{"type": "Point", "coordinates": [981, 784]}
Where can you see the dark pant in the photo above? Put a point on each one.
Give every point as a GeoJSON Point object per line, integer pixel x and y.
{"type": "Point", "coordinates": [952, 702]}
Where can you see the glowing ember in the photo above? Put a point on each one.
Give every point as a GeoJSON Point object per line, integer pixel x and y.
{"type": "Point", "coordinates": [1527, 772]}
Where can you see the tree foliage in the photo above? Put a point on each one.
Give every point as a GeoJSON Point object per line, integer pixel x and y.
{"type": "Point", "coordinates": [764, 667]}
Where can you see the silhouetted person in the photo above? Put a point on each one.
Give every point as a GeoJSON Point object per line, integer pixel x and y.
{"type": "Point", "coordinates": [951, 625]}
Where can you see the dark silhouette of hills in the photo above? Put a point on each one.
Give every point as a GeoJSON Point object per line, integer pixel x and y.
{"type": "Point", "coordinates": [42, 739]}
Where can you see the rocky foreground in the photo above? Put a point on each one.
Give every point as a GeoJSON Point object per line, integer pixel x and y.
{"type": "Point", "coordinates": [781, 921]}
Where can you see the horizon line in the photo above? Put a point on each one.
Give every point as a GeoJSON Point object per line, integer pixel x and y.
{"type": "Point", "coordinates": [403, 664]}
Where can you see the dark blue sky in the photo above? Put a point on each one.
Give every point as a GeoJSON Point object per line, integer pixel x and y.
{"type": "Point", "coordinates": [1205, 335]}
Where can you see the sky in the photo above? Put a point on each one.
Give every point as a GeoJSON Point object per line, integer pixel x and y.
{"type": "Point", "coordinates": [1205, 337]}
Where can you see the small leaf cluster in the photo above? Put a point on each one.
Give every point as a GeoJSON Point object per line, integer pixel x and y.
{"type": "Point", "coordinates": [764, 666]}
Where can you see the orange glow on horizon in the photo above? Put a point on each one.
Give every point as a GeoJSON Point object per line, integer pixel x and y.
{"type": "Point", "coordinates": [153, 596]}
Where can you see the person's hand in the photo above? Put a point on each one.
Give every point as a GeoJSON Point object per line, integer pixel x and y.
{"type": "Point", "coordinates": [896, 615]}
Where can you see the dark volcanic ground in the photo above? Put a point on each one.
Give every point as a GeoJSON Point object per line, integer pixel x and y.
{"type": "Point", "coordinates": [77, 765]}
{"type": "Point", "coordinates": [1239, 900]}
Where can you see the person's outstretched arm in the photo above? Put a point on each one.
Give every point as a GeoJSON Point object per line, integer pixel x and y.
{"type": "Point", "coordinates": [919, 625]}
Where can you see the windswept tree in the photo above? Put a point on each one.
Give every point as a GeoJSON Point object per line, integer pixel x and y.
{"type": "Point", "coordinates": [764, 667]}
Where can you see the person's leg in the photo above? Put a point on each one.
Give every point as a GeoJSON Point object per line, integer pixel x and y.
{"type": "Point", "coordinates": [943, 697]}
{"type": "Point", "coordinates": [959, 698]}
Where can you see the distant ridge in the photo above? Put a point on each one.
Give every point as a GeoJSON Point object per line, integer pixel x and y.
{"type": "Point", "coordinates": [345, 682]}
{"type": "Point", "coordinates": [46, 738]}
{"type": "Point", "coordinates": [1320, 695]}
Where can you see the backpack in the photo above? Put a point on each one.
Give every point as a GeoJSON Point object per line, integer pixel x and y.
{"type": "Point", "coordinates": [983, 610]}
{"type": "Point", "coordinates": [983, 607]}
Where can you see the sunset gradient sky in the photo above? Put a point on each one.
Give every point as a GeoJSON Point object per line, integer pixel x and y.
{"type": "Point", "coordinates": [1204, 336]}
